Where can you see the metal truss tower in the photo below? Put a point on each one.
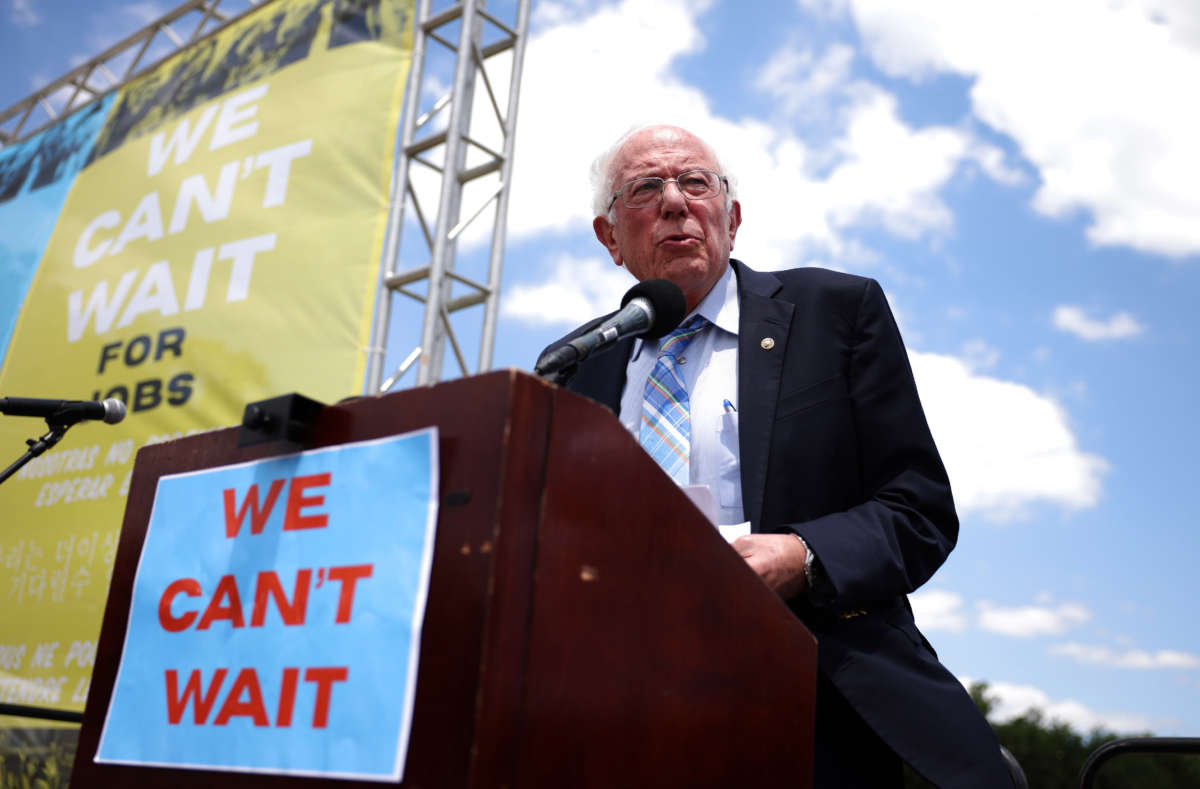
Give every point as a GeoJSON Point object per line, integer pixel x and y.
{"type": "Point", "coordinates": [455, 147]}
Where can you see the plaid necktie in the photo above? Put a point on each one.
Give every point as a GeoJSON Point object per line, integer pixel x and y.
{"type": "Point", "coordinates": [666, 432]}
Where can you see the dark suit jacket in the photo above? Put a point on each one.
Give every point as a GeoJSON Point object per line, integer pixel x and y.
{"type": "Point", "coordinates": [835, 447]}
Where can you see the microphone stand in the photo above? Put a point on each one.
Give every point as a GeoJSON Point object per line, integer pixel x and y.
{"type": "Point", "coordinates": [37, 447]}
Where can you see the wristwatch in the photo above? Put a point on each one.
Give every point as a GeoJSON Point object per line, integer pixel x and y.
{"type": "Point", "coordinates": [809, 557]}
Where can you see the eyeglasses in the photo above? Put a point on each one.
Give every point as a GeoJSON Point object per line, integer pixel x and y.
{"type": "Point", "coordinates": [694, 185]}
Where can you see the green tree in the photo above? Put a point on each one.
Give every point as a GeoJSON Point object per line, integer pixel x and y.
{"type": "Point", "coordinates": [1052, 754]}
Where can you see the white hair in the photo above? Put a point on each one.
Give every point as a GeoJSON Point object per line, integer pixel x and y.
{"type": "Point", "coordinates": [603, 179]}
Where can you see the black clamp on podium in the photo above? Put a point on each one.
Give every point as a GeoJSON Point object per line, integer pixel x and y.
{"type": "Point", "coordinates": [288, 418]}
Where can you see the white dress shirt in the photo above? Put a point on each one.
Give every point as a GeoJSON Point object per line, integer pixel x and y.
{"type": "Point", "coordinates": [709, 369]}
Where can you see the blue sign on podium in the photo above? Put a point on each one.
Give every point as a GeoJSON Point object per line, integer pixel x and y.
{"type": "Point", "coordinates": [276, 616]}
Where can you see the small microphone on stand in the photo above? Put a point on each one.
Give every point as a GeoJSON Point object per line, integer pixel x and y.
{"type": "Point", "coordinates": [59, 416]}
{"type": "Point", "coordinates": [65, 412]}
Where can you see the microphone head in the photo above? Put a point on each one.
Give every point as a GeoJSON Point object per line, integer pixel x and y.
{"type": "Point", "coordinates": [667, 302]}
{"type": "Point", "coordinates": [114, 411]}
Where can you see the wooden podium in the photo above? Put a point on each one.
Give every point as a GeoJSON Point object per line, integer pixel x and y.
{"type": "Point", "coordinates": [585, 625]}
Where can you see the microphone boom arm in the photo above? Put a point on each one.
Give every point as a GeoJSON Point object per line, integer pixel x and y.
{"type": "Point", "coordinates": [36, 447]}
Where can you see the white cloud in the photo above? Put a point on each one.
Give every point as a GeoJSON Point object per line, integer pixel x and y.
{"type": "Point", "coordinates": [1031, 620]}
{"type": "Point", "coordinates": [24, 14]}
{"type": "Point", "coordinates": [576, 289]}
{"type": "Point", "coordinates": [145, 12]}
{"type": "Point", "coordinates": [1129, 658]}
{"type": "Point", "coordinates": [868, 166]}
{"type": "Point", "coordinates": [1112, 135]}
{"type": "Point", "coordinates": [801, 82]}
{"type": "Point", "coordinates": [435, 88]}
{"type": "Point", "coordinates": [549, 13]}
{"type": "Point", "coordinates": [1004, 445]}
{"type": "Point", "coordinates": [799, 200]}
{"type": "Point", "coordinates": [979, 355]}
{"type": "Point", "coordinates": [876, 182]}
{"type": "Point", "coordinates": [937, 609]}
{"type": "Point", "coordinates": [1074, 320]}
{"type": "Point", "coordinates": [1012, 700]}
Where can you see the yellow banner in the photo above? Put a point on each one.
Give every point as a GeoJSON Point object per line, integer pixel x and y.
{"type": "Point", "coordinates": [222, 246]}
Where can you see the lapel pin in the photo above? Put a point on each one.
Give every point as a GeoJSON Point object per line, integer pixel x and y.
{"type": "Point", "coordinates": [767, 343]}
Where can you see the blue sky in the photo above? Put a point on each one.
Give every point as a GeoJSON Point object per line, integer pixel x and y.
{"type": "Point", "coordinates": [1019, 176]}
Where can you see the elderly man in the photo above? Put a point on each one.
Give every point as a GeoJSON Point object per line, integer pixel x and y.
{"type": "Point", "coordinates": [790, 395]}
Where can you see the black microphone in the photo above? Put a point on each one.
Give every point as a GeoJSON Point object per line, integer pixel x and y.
{"type": "Point", "coordinates": [64, 412]}
{"type": "Point", "coordinates": [650, 309]}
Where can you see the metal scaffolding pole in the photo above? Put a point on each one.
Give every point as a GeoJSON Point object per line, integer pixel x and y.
{"type": "Point", "coordinates": [465, 159]}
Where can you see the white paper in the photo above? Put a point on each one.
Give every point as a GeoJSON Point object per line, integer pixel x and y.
{"type": "Point", "coordinates": [702, 497]}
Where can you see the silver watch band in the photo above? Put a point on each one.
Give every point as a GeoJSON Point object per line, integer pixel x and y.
{"type": "Point", "coordinates": [808, 562]}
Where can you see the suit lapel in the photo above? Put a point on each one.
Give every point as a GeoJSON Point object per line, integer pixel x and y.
{"type": "Point", "coordinates": [760, 370]}
{"type": "Point", "coordinates": [761, 318]}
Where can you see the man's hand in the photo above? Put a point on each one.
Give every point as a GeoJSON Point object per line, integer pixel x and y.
{"type": "Point", "coordinates": [777, 558]}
